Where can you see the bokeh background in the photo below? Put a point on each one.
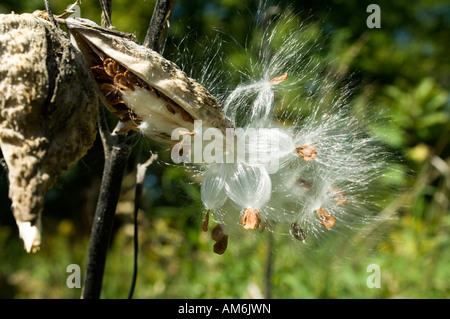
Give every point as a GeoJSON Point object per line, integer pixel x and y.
{"type": "Point", "coordinates": [400, 70]}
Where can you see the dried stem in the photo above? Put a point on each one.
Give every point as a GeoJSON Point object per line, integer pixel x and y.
{"type": "Point", "coordinates": [159, 24]}
{"type": "Point", "coordinates": [116, 156]}
{"type": "Point", "coordinates": [106, 13]}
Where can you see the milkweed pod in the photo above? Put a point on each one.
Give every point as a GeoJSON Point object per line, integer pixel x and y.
{"type": "Point", "coordinates": [155, 80]}
{"type": "Point", "coordinates": [49, 113]}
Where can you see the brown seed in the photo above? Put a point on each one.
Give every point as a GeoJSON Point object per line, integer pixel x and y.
{"type": "Point", "coordinates": [120, 113]}
{"type": "Point", "coordinates": [205, 222]}
{"type": "Point", "coordinates": [132, 78]}
{"type": "Point", "coordinates": [298, 232]}
{"type": "Point", "coordinates": [217, 232]}
{"type": "Point", "coordinates": [99, 73]}
{"type": "Point", "coordinates": [107, 88]}
{"type": "Point", "coordinates": [326, 219]}
{"type": "Point", "coordinates": [170, 109]}
{"type": "Point", "coordinates": [125, 119]}
{"type": "Point", "coordinates": [221, 245]}
{"type": "Point", "coordinates": [339, 196]}
{"type": "Point", "coordinates": [111, 93]}
{"type": "Point", "coordinates": [305, 184]}
{"type": "Point", "coordinates": [111, 67]}
{"type": "Point", "coordinates": [121, 109]}
{"type": "Point", "coordinates": [307, 152]}
{"type": "Point", "coordinates": [251, 218]}
{"type": "Point", "coordinates": [278, 79]}
{"type": "Point", "coordinates": [122, 81]}
{"type": "Point", "coordinates": [186, 116]}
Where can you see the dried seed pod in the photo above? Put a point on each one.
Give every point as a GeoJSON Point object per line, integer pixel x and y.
{"type": "Point", "coordinates": [307, 152]}
{"type": "Point", "coordinates": [251, 218]}
{"type": "Point", "coordinates": [326, 219]}
{"type": "Point", "coordinates": [48, 113]}
{"type": "Point", "coordinates": [161, 82]}
{"type": "Point", "coordinates": [339, 196]}
{"type": "Point", "coordinates": [298, 232]}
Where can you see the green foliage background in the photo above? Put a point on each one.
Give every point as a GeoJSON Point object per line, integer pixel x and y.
{"type": "Point", "coordinates": [401, 69]}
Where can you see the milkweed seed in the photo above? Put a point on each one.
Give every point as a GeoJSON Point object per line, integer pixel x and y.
{"type": "Point", "coordinates": [205, 222]}
{"type": "Point", "coordinates": [251, 218]}
{"type": "Point", "coordinates": [217, 232]}
{"type": "Point", "coordinates": [186, 116]}
{"type": "Point", "coordinates": [278, 79]}
{"type": "Point", "coordinates": [326, 219]}
{"type": "Point", "coordinates": [123, 82]}
{"type": "Point", "coordinates": [339, 196]}
{"type": "Point", "coordinates": [307, 152]}
{"type": "Point", "coordinates": [221, 245]}
{"type": "Point", "coordinates": [121, 109]}
{"type": "Point", "coordinates": [298, 232]}
{"type": "Point", "coordinates": [305, 184]}
{"type": "Point", "coordinates": [100, 74]}
{"type": "Point", "coordinates": [170, 109]}
{"type": "Point", "coordinates": [107, 88]}
{"type": "Point", "coordinates": [111, 67]}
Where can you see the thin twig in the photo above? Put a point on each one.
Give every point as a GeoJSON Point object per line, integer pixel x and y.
{"type": "Point", "coordinates": [106, 13]}
{"type": "Point", "coordinates": [269, 265]}
{"type": "Point", "coordinates": [159, 24]}
{"type": "Point", "coordinates": [50, 14]}
{"type": "Point", "coordinates": [140, 176]}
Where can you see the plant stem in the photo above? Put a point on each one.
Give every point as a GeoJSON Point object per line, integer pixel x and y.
{"type": "Point", "coordinates": [269, 265]}
{"type": "Point", "coordinates": [117, 149]}
{"type": "Point", "coordinates": [116, 157]}
{"type": "Point", "coordinates": [140, 176]}
{"type": "Point", "coordinates": [159, 24]}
